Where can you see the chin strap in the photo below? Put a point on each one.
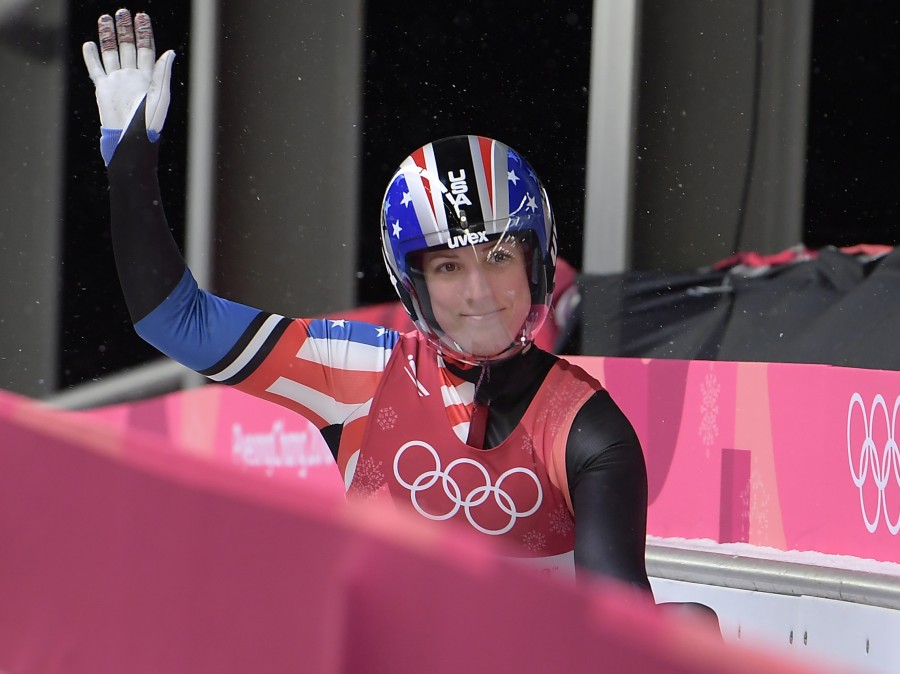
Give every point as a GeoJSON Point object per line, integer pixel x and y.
{"type": "Point", "coordinates": [478, 423]}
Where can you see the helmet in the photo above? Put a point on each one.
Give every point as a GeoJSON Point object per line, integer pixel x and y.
{"type": "Point", "coordinates": [458, 191]}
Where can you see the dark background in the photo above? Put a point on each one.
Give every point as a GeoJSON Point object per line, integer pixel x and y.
{"type": "Point", "coordinates": [853, 143]}
{"type": "Point", "coordinates": [477, 67]}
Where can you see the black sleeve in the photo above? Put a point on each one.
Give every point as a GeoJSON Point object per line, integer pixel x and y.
{"type": "Point", "coordinates": [608, 484]}
{"type": "Point", "coordinates": [147, 257]}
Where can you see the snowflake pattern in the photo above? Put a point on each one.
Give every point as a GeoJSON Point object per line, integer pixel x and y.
{"type": "Point", "coordinates": [534, 541]}
{"type": "Point", "coordinates": [528, 444]}
{"type": "Point", "coordinates": [387, 418]}
{"type": "Point", "coordinates": [709, 410]}
{"type": "Point", "coordinates": [368, 477]}
{"type": "Point", "coordinates": [561, 521]}
{"type": "Point", "coordinates": [562, 400]}
{"type": "Point", "coordinates": [758, 503]}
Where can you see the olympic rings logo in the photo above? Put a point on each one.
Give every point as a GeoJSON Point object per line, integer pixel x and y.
{"type": "Point", "coordinates": [881, 465]}
{"type": "Point", "coordinates": [477, 496]}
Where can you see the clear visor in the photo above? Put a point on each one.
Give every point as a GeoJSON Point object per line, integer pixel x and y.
{"type": "Point", "coordinates": [481, 297]}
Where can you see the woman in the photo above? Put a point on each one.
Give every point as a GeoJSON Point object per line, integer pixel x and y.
{"type": "Point", "coordinates": [464, 419]}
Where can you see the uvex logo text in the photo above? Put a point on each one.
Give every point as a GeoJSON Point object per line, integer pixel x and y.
{"type": "Point", "coordinates": [472, 238]}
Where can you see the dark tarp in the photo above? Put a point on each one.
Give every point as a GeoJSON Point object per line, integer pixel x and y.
{"type": "Point", "coordinates": [832, 307]}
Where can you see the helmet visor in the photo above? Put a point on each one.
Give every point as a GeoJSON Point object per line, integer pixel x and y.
{"type": "Point", "coordinates": [481, 297]}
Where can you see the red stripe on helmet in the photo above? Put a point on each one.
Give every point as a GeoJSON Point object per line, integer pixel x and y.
{"type": "Point", "coordinates": [485, 146]}
{"type": "Point", "coordinates": [419, 159]}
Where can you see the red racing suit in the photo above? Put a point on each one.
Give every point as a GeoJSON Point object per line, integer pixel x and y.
{"type": "Point", "coordinates": [516, 492]}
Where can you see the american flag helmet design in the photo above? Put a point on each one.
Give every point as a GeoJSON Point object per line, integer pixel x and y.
{"type": "Point", "coordinates": [446, 192]}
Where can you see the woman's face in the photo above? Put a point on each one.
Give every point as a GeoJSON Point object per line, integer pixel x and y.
{"type": "Point", "coordinates": [479, 294]}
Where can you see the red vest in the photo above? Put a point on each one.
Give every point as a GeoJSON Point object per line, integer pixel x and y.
{"type": "Point", "coordinates": [516, 492]}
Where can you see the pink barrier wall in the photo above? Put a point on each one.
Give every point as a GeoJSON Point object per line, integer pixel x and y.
{"type": "Point", "coordinates": [794, 457]}
{"type": "Point", "coordinates": [227, 426]}
{"type": "Point", "coordinates": [121, 551]}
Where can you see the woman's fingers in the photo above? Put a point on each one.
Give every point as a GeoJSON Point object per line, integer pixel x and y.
{"type": "Point", "coordinates": [125, 36]}
{"type": "Point", "coordinates": [109, 46]}
{"type": "Point", "coordinates": [146, 48]}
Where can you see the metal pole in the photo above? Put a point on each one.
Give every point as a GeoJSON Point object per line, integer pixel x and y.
{"type": "Point", "coordinates": [773, 576]}
{"type": "Point", "coordinates": [151, 379]}
{"type": "Point", "coordinates": [607, 218]}
{"type": "Point", "coordinates": [201, 166]}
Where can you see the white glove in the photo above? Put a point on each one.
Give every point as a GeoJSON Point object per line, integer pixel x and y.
{"type": "Point", "coordinates": [128, 73]}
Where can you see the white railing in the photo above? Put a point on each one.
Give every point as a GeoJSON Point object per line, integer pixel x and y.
{"type": "Point", "coordinates": [152, 379]}
{"type": "Point", "coordinates": [773, 576]}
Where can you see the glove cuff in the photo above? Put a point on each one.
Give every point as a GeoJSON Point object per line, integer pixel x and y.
{"type": "Point", "coordinates": [109, 140]}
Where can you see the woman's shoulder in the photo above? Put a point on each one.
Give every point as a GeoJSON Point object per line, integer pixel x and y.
{"type": "Point", "coordinates": [572, 372]}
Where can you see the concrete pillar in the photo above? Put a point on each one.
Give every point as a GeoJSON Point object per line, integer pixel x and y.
{"type": "Point", "coordinates": [290, 101]}
{"type": "Point", "coordinates": [695, 130]}
{"type": "Point", "coordinates": [32, 84]}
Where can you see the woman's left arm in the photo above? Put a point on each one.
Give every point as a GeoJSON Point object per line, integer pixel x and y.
{"type": "Point", "coordinates": [607, 480]}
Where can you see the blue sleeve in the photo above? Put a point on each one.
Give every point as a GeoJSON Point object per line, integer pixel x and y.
{"type": "Point", "coordinates": [195, 327]}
